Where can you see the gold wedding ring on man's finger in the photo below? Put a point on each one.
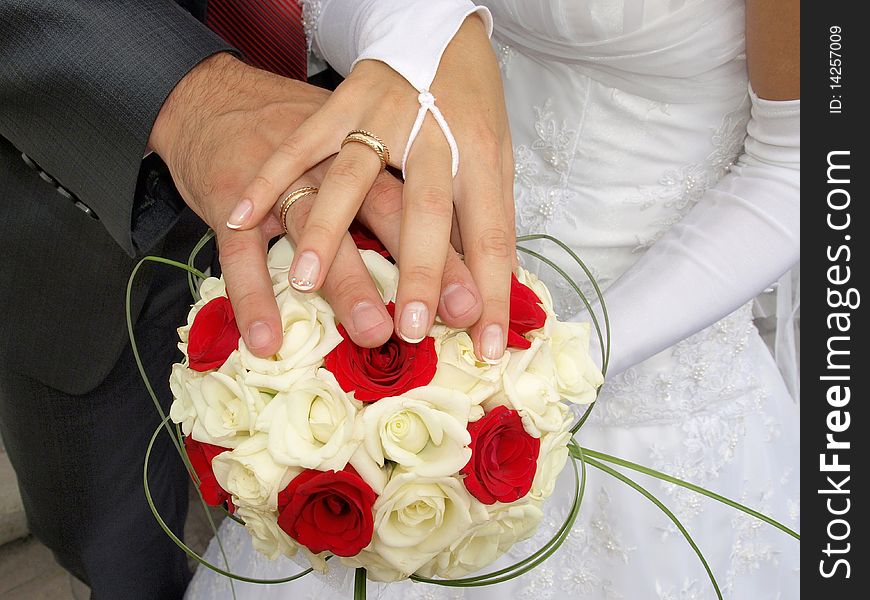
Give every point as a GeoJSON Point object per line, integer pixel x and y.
{"type": "Point", "coordinates": [367, 138]}
{"type": "Point", "coordinates": [291, 199]}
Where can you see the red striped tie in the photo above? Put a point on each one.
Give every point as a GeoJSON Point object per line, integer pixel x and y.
{"type": "Point", "coordinates": [268, 32]}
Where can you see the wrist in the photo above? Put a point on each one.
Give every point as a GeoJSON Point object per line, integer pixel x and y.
{"type": "Point", "coordinates": [191, 94]}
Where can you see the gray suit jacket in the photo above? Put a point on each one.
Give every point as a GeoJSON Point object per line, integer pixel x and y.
{"type": "Point", "coordinates": [80, 86]}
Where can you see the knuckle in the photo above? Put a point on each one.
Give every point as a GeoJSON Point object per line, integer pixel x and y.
{"type": "Point", "coordinates": [261, 183]}
{"type": "Point", "coordinates": [347, 174]}
{"type": "Point", "coordinates": [493, 242]}
{"type": "Point", "coordinates": [385, 198]}
{"type": "Point", "coordinates": [421, 276]}
{"type": "Point", "coordinates": [299, 214]}
{"type": "Point", "coordinates": [225, 180]}
{"type": "Point", "coordinates": [489, 143]}
{"type": "Point", "coordinates": [496, 308]}
{"type": "Point", "coordinates": [291, 148]}
{"type": "Point", "coordinates": [232, 250]}
{"type": "Point", "coordinates": [244, 297]}
{"type": "Point", "coordinates": [488, 149]}
{"type": "Point", "coordinates": [317, 230]}
{"type": "Point", "coordinates": [345, 288]}
{"type": "Point", "coordinates": [432, 201]}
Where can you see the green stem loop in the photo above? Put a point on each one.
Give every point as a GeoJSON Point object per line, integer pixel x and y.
{"type": "Point", "coordinates": [616, 474]}
{"type": "Point", "coordinates": [690, 486]}
{"type": "Point", "coordinates": [187, 550]}
{"type": "Point", "coordinates": [359, 584]}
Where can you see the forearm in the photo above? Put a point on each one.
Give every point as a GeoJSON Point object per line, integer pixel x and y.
{"type": "Point", "coordinates": [739, 238]}
{"type": "Point", "coordinates": [81, 85]}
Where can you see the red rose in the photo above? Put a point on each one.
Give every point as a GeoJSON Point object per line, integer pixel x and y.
{"type": "Point", "coordinates": [526, 314]}
{"type": "Point", "coordinates": [366, 240]}
{"type": "Point", "coordinates": [328, 510]}
{"type": "Point", "coordinates": [201, 455]}
{"type": "Point", "coordinates": [213, 336]}
{"type": "Point", "coordinates": [504, 457]}
{"type": "Point", "coordinates": [390, 370]}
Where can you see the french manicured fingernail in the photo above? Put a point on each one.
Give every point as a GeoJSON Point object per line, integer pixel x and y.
{"type": "Point", "coordinates": [492, 344]}
{"type": "Point", "coordinates": [366, 316]}
{"type": "Point", "coordinates": [458, 300]}
{"type": "Point", "coordinates": [414, 323]}
{"type": "Point", "coordinates": [306, 271]}
{"type": "Point", "coordinates": [259, 334]}
{"type": "Point", "coordinates": [241, 213]}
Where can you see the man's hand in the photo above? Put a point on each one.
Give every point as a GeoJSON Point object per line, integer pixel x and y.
{"type": "Point", "coordinates": [216, 129]}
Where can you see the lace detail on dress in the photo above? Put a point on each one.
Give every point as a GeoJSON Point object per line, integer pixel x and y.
{"type": "Point", "coordinates": [503, 54]}
{"type": "Point", "coordinates": [708, 445]}
{"type": "Point", "coordinates": [752, 547]}
{"type": "Point", "coordinates": [542, 169]}
{"type": "Point", "coordinates": [566, 302]}
{"type": "Point", "coordinates": [565, 299]}
{"type": "Point", "coordinates": [311, 10]}
{"type": "Point", "coordinates": [708, 372]}
{"type": "Point", "coordinates": [678, 190]}
{"type": "Point", "coordinates": [692, 589]}
{"type": "Point", "coordinates": [574, 572]}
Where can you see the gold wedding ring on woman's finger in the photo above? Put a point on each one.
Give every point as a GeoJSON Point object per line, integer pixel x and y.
{"type": "Point", "coordinates": [291, 199]}
{"type": "Point", "coordinates": [367, 138]}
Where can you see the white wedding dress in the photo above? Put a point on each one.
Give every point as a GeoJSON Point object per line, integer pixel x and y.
{"type": "Point", "coordinates": [623, 114]}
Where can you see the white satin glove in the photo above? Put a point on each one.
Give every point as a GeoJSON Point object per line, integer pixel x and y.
{"type": "Point", "coordinates": [408, 35]}
{"type": "Point", "coordinates": [741, 236]}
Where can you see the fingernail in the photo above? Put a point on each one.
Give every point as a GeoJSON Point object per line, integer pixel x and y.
{"type": "Point", "coordinates": [457, 300]}
{"type": "Point", "coordinates": [366, 316]}
{"type": "Point", "coordinates": [492, 344]}
{"type": "Point", "coordinates": [414, 323]}
{"type": "Point", "coordinates": [306, 271]}
{"type": "Point", "coordinates": [259, 334]}
{"type": "Point", "coordinates": [241, 213]}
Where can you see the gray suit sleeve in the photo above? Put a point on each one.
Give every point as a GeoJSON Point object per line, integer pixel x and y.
{"type": "Point", "coordinates": [81, 84]}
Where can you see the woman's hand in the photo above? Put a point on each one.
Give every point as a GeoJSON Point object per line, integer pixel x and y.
{"type": "Point", "coordinates": [479, 201]}
{"type": "Point", "coordinates": [348, 286]}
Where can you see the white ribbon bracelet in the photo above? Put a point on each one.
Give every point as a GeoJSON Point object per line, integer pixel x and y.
{"type": "Point", "coordinates": [427, 104]}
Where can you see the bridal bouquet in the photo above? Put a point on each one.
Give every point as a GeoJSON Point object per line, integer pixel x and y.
{"type": "Point", "coordinates": [407, 459]}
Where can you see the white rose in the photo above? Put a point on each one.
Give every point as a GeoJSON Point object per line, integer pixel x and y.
{"type": "Point", "coordinates": [424, 431]}
{"type": "Point", "coordinates": [566, 359]}
{"type": "Point", "coordinates": [460, 369]}
{"type": "Point", "coordinates": [313, 426]}
{"type": "Point", "coordinates": [251, 475]}
{"type": "Point", "coordinates": [209, 289]}
{"type": "Point", "coordinates": [531, 281]}
{"type": "Point", "coordinates": [384, 273]}
{"type": "Point", "coordinates": [485, 542]}
{"type": "Point", "coordinates": [551, 460]}
{"type": "Point", "coordinates": [183, 409]}
{"type": "Point", "coordinates": [266, 536]}
{"type": "Point", "coordinates": [216, 407]}
{"type": "Point", "coordinates": [532, 394]}
{"type": "Point", "coordinates": [280, 257]}
{"type": "Point", "coordinates": [417, 517]}
{"type": "Point", "coordinates": [374, 475]}
{"type": "Point", "coordinates": [309, 335]}
{"type": "Point", "coordinates": [377, 569]}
